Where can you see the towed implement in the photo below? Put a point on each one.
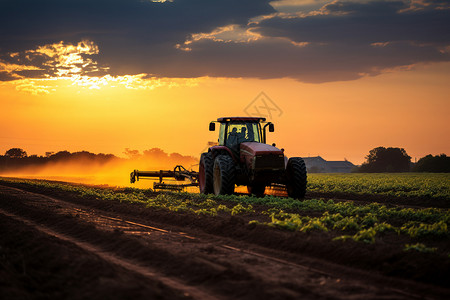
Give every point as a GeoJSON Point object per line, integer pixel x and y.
{"type": "Point", "coordinates": [241, 157]}
{"type": "Point", "coordinates": [179, 173]}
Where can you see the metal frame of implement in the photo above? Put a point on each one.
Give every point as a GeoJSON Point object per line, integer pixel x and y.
{"type": "Point", "coordinates": [179, 173]}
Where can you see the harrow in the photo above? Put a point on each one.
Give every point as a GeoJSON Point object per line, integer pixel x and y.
{"type": "Point", "coordinates": [179, 173]}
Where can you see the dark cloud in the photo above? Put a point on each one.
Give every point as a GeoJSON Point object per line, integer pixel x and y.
{"type": "Point", "coordinates": [365, 8]}
{"type": "Point", "coordinates": [26, 23]}
{"type": "Point", "coordinates": [373, 22]}
{"type": "Point", "coordinates": [278, 58]}
{"type": "Point", "coordinates": [347, 40]}
{"type": "Point", "coordinates": [128, 32]}
{"type": "Point", "coordinates": [6, 76]}
{"type": "Point", "coordinates": [436, 3]}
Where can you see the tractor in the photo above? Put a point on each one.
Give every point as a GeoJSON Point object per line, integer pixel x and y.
{"type": "Point", "coordinates": [242, 157]}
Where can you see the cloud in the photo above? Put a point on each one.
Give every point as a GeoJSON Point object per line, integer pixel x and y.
{"type": "Point", "coordinates": [278, 58]}
{"type": "Point", "coordinates": [363, 23]}
{"type": "Point", "coordinates": [311, 41]}
{"type": "Point", "coordinates": [53, 60]}
{"type": "Point", "coordinates": [130, 23]}
{"type": "Point", "coordinates": [292, 6]}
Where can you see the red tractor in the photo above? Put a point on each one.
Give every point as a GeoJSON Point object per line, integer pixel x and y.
{"type": "Point", "coordinates": [242, 157]}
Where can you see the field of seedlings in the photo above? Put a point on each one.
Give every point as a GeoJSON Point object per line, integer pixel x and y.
{"type": "Point", "coordinates": [421, 185]}
{"type": "Point", "coordinates": [394, 225]}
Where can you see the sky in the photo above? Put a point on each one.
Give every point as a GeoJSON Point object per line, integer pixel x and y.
{"type": "Point", "coordinates": [337, 78]}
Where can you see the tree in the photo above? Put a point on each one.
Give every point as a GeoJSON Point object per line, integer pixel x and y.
{"type": "Point", "coordinates": [61, 155]}
{"type": "Point", "coordinates": [156, 154]}
{"type": "Point", "coordinates": [383, 159]}
{"type": "Point", "coordinates": [430, 163]}
{"type": "Point", "coordinates": [132, 154]}
{"type": "Point", "coordinates": [15, 153]}
{"type": "Point", "coordinates": [49, 153]}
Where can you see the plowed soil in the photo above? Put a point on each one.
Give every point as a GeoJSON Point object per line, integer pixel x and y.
{"type": "Point", "coordinates": [56, 245]}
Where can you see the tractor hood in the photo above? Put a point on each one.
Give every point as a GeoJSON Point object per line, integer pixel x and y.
{"type": "Point", "coordinates": [254, 148]}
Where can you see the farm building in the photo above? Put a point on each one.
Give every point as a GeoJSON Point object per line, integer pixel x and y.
{"type": "Point", "coordinates": [319, 165]}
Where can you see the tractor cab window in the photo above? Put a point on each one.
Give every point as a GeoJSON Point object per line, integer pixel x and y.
{"type": "Point", "coordinates": [222, 134]}
{"type": "Point", "coordinates": [239, 132]}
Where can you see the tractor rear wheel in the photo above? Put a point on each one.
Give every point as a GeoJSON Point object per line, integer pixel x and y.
{"type": "Point", "coordinates": [224, 175]}
{"type": "Point", "coordinates": [296, 178]}
{"type": "Point", "coordinates": [256, 189]}
{"type": "Point", "coordinates": [205, 174]}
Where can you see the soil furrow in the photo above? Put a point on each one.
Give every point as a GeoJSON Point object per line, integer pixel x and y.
{"type": "Point", "coordinates": [197, 262]}
{"type": "Point", "coordinates": [124, 263]}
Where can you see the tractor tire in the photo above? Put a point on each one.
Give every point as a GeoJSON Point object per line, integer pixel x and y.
{"type": "Point", "coordinates": [224, 175]}
{"type": "Point", "coordinates": [205, 174]}
{"type": "Point", "coordinates": [296, 178]}
{"type": "Point", "coordinates": [256, 189]}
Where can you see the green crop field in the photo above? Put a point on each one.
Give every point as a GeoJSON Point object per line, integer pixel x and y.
{"type": "Point", "coordinates": [420, 185]}
{"type": "Point", "coordinates": [423, 229]}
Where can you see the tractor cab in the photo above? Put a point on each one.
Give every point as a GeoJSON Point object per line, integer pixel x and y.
{"type": "Point", "coordinates": [231, 134]}
{"type": "Point", "coordinates": [236, 130]}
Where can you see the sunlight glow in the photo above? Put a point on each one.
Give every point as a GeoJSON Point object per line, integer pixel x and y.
{"type": "Point", "coordinates": [300, 44]}
{"type": "Point", "coordinates": [15, 67]}
{"type": "Point", "coordinates": [227, 34]}
{"type": "Point", "coordinates": [67, 59]}
{"type": "Point", "coordinates": [133, 82]}
{"type": "Point", "coordinates": [380, 44]}
{"type": "Point", "coordinates": [34, 87]}
{"type": "Point", "coordinates": [53, 60]}
{"type": "Point", "coordinates": [67, 63]}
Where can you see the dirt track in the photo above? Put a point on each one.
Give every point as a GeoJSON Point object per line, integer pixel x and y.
{"type": "Point", "coordinates": [67, 247]}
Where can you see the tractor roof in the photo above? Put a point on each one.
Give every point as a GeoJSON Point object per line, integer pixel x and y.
{"type": "Point", "coordinates": [241, 119]}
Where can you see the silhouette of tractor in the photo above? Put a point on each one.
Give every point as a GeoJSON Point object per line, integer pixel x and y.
{"type": "Point", "coordinates": [241, 157]}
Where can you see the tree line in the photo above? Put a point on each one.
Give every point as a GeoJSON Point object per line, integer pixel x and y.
{"type": "Point", "coordinates": [17, 158]}
{"type": "Point", "coordinates": [379, 160]}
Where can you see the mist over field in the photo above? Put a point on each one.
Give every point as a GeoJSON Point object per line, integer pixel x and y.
{"type": "Point", "coordinates": [100, 169]}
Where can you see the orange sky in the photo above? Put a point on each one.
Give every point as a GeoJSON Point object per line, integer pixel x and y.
{"type": "Point", "coordinates": [343, 76]}
{"type": "Point", "coordinates": [337, 120]}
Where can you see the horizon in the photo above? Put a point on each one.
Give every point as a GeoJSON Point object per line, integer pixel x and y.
{"type": "Point", "coordinates": [136, 155]}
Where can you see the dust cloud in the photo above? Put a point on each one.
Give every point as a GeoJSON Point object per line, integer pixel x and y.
{"type": "Point", "coordinates": [88, 168]}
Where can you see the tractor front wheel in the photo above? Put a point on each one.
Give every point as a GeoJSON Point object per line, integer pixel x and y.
{"type": "Point", "coordinates": [296, 178]}
{"type": "Point", "coordinates": [205, 174]}
{"type": "Point", "coordinates": [224, 175]}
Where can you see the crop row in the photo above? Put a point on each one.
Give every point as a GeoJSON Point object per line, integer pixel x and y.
{"type": "Point", "coordinates": [364, 227]}
{"type": "Point", "coordinates": [346, 220]}
{"type": "Point", "coordinates": [167, 201]}
{"type": "Point", "coordinates": [406, 185]}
